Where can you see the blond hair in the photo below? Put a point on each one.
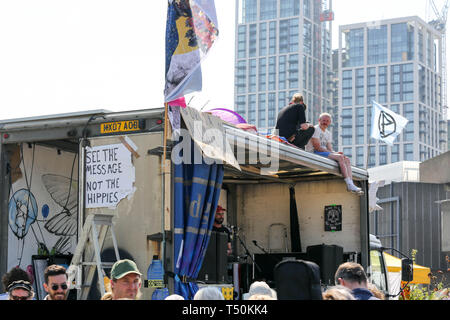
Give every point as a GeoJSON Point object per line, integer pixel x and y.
{"type": "Point", "coordinates": [297, 98]}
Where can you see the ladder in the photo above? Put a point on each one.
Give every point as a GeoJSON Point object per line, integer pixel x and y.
{"type": "Point", "coordinates": [97, 238]}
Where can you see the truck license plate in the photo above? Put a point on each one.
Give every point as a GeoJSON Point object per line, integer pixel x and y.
{"type": "Point", "coordinates": [119, 126]}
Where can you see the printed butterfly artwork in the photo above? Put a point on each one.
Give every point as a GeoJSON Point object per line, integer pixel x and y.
{"type": "Point", "coordinates": [65, 193]}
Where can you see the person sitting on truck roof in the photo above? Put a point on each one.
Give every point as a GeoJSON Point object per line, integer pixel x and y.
{"type": "Point", "coordinates": [352, 276]}
{"type": "Point", "coordinates": [292, 124]}
{"type": "Point", "coordinates": [320, 144]}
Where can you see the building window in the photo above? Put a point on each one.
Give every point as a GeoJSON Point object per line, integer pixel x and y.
{"type": "Point", "coordinates": [289, 8]}
{"type": "Point", "coordinates": [408, 150]}
{"type": "Point", "coordinates": [355, 44]}
{"type": "Point", "coordinates": [288, 36]}
{"type": "Point", "coordinates": [240, 106]}
{"type": "Point", "coordinates": [307, 37]}
{"type": "Point", "coordinates": [272, 110]}
{"type": "Point", "coordinates": [252, 41]}
{"type": "Point", "coordinates": [347, 88]}
{"type": "Point", "coordinates": [360, 157]}
{"type": "Point", "coordinates": [241, 75]}
{"type": "Point", "coordinates": [252, 108]}
{"type": "Point", "coordinates": [263, 39]}
{"type": "Point", "coordinates": [293, 71]}
{"type": "Point", "coordinates": [372, 157]}
{"type": "Point", "coordinates": [307, 8]}
{"type": "Point", "coordinates": [359, 125]}
{"type": "Point", "coordinates": [383, 155]}
{"type": "Point", "coordinates": [359, 86]}
{"type": "Point", "coordinates": [408, 113]}
{"type": "Point", "coordinates": [249, 10]}
{"type": "Point", "coordinates": [272, 73]}
{"type": "Point", "coordinates": [242, 41]}
{"type": "Point", "coordinates": [268, 9]}
{"type": "Point", "coordinates": [402, 42]}
{"type": "Point", "coordinates": [282, 100]}
{"type": "Point", "coordinates": [347, 125]}
{"type": "Point", "coordinates": [402, 82]}
{"type": "Point", "coordinates": [420, 47]}
{"type": "Point", "coordinates": [371, 85]}
{"type": "Point", "coordinates": [252, 75]}
{"type": "Point", "coordinates": [282, 70]}
{"type": "Point", "coordinates": [395, 153]}
{"type": "Point", "coordinates": [382, 84]}
{"type": "Point", "coordinates": [262, 111]}
{"type": "Point", "coordinates": [377, 45]}
{"type": "Point", "coordinates": [272, 37]}
{"type": "Point", "coordinates": [262, 74]}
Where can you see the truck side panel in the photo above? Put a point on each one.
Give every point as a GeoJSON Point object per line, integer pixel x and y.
{"type": "Point", "coordinates": [260, 206]}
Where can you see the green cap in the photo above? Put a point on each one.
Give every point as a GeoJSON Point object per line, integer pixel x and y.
{"type": "Point", "coordinates": [123, 267]}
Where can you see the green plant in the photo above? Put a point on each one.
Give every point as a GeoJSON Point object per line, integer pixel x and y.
{"type": "Point", "coordinates": [434, 291]}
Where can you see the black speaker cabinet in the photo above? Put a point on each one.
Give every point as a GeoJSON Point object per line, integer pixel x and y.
{"type": "Point", "coordinates": [221, 257]}
{"type": "Point", "coordinates": [208, 272]}
{"type": "Point", "coordinates": [328, 258]}
{"type": "Point", "coordinates": [266, 262]}
{"type": "Point", "coordinates": [214, 267]}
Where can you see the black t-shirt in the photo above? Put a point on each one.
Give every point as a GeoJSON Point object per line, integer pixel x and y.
{"type": "Point", "coordinates": [224, 230]}
{"type": "Point", "coordinates": [289, 118]}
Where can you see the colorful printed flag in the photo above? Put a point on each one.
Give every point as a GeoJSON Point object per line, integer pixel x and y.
{"type": "Point", "coordinates": [190, 33]}
{"type": "Point", "coordinates": [386, 124]}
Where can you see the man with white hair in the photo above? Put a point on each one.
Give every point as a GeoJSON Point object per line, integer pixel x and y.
{"type": "Point", "coordinates": [260, 288]}
{"type": "Point", "coordinates": [320, 144]}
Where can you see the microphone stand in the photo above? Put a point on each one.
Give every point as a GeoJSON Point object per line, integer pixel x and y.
{"type": "Point", "coordinates": [251, 258]}
{"type": "Point", "coordinates": [261, 248]}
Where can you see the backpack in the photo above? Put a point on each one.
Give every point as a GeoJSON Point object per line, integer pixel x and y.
{"type": "Point", "coordinates": [297, 280]}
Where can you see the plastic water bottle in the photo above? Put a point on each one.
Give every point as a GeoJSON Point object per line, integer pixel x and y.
{"type": "Point", "coordinates": [155, 273]}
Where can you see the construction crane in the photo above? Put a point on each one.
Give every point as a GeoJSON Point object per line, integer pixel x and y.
{"type": "Point", "coordinates": [440, 24]}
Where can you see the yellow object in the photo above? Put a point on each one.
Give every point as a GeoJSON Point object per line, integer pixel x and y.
{"type": "Point", "coordinates": [228, 293]}
{"type": "Point", "coordinates": [107, 284]}
{"type": "Point", "coordinates": [420, 273]}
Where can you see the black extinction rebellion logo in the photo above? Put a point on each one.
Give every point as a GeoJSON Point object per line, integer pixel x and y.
{"type": "Point", "coordinates": [386, 124]}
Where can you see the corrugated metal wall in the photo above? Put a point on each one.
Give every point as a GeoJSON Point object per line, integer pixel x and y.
{"type": "Point", "coordinates": [420, 221]}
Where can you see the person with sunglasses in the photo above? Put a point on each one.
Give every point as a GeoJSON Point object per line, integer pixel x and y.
{"type": "Point", "coordinates": [18, 285]}
{"type": "Point", "coordinates": [55, 284]}
{"type": "Point", "coordinates": [20, 290]}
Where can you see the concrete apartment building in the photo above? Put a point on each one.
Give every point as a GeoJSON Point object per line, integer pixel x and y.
{"type": "Point", "coordinates": [282, 47]}
{"type": "Point", "coordinates": [398, 63]}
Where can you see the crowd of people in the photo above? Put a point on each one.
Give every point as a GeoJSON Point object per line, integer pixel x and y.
{"type": "Point", "coordinates": [126, 279]}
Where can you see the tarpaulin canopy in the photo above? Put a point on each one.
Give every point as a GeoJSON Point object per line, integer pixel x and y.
{"type": "Point", "coordinates": [196, 195]}
{"type": "Point", "coordinates": [227, 115]}
{"type": "Point", "coordinates": [420, 273]}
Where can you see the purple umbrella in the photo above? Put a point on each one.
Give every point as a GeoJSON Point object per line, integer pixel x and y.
{"type": "Point", "coordinates": [227, 115]}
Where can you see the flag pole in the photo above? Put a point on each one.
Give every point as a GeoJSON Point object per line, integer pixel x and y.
{"type": "Point", "coordinates": [163, 185]}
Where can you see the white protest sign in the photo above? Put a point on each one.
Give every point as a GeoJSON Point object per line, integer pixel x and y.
{"type": "Point", "coordinates": [110, 175]}
{"type": "Point", "coordinates": [209, 134]}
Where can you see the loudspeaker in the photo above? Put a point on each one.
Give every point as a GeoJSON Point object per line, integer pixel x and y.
{"type": "Point", "coordinates": [328, 258]}
{"type": "Point", "coordinates": [214, 267]}
{"type": "Point", "coordinates": [208, 272]}
{"type": "Point", "coordinates": [297, 280]}
{"type": "Point", "coordinates": [221, 257]}
{"type": "Point", "coordinates": [266, 262]}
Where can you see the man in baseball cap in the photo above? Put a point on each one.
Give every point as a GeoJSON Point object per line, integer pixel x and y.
{"type": "Point", "coordinates": [125, 281]}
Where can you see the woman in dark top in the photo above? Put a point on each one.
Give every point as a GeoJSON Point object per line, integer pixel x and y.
{"type": "Point", "coordinates": [290, 118]}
